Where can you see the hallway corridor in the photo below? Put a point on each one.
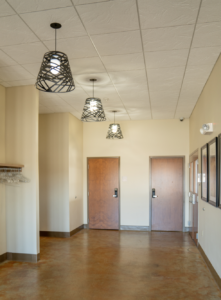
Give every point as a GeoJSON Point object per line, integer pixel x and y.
{"type": "Point", "coordinates": [117, 265]}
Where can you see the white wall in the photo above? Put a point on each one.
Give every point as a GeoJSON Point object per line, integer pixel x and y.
{"type": "Point", "coordinates": [22, 203]}
{"type": "Point", "coordinates": [60, 168]}
{"type": "Point", "coordinates": [208, 110]}
{"type": "Point", "coordinates": [54, 172]}
{"type": "Point", "coordinates": [3, 248]}
{"type": "Point", "coordinates": [142, 139]}
{"type": "Point", "coordinates": [75, 172]}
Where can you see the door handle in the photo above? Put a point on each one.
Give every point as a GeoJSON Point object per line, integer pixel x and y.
{"type": "Point", "coordinates": [153, 194]}
{"type": "Point", "coordinates": [115, 193]}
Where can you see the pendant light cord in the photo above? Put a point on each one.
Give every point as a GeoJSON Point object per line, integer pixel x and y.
{"type": "Point", "coordinates": [55, 39]}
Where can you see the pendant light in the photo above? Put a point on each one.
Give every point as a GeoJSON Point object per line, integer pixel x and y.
{"type": "Point", "coordinates": [55, 73]}
{"type": "Point", "coordinates": [93, 109]}
{"type": "Point", "coordinates": [114, 130]}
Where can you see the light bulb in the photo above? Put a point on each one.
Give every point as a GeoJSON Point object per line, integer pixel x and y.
{"type": "Point", "coordinates": [114, 128]}
{"type": "Point", "coordinates": [55, 65]}
{"type": "Point", "coordinates": [93, 105]}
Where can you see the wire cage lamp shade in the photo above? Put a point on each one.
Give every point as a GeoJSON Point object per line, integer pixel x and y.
{"type": "Point", "coordinates": [114, 131]}
{"type": "Point", "coordinates": [93, 109]}
{"type": "Point", "coordinates": [55, 73]}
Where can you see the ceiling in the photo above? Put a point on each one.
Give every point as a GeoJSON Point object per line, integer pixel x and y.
{"type": "Point", "coordinates": [152, 58]}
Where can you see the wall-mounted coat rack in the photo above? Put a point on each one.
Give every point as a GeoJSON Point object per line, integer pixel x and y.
{"type": "Point", "coordinates": [10, 174]}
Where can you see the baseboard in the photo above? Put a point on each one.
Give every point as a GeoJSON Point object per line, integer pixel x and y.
{"type": "Point", "coordinates": [23, 257]}
{"type": "Point", "coordinates": [76, 230]}
{"type": "Point", "coordinates": [60, 234]}
{"type": "Point", "coordinates": [210, 266]}
{"type": "Point", "coordinates": [20, 257]}
{"type": "Point", "coordinates": [135, 228]}
{"type": "Point", "coordinates": [3, 257]}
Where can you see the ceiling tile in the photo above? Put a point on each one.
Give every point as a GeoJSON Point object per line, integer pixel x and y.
{"type": "Point", "coordinates": [26, 53]}
{"type": "Point", "coordinates": [210, 11]}
{"type": "Point", "coordinates": [168, 38]}
{"type": "Point", "coordinates": [75, 98]}
{"type": "Point", "coordinates": [86, 65]}
{"type": "Point", "coordinates": [32, 68]}
{"type": "Point", "coordinates": [14, 32]}
{"type": "Point", "coordinates": [40, 22]}
{"type": "Point", "coordinates": [140, 116]}
{"type": "Point", "coordinates": [162, 97]}
{"type": "Point", "coordinates": [165, 79]}
{"type": "Point", "coordinates": [82, 2]}
{"type": "Point", "coordinates": [166, 59]}
{"type": "Point", "coordinates": [134, 96]}
{"type": "Point", "coordinates": [162, 115]}
{"type": "Point", "coordinates": [84, 79]}
{"type": "Point", "coordinates": [128, 78]}
{"type": "Point", "coordinates": [207, 35]}
{"type": "Point", "coordinates": [22, 82]}
{"type": "Point", "coordinates": [78, 47]}
{"type": "Point", "coordinates": [197, 74]}
{"type": "Point", "coordinates": [136, 106]}
{"type": "Point", "coordinates": [124, 62]}
{"type": "Point", "coordinates": [110, 16]}
{"type": "Point", "coordinates": [163, 13]}
{"type": "Point", "coordinates": [13, 73]}
{"type": "Point", "coordinates": [25, 6]}
{"type": "Point", "coordinates": [5, 9]}
{"type": "Point", "coordinates": [5, 60]}
{"type": "Point", "coordinates": [106, 93]}
{"type": "Point", "coordinates": [204, 56]}
{"type": "Point", "coordinates": [118, 43]}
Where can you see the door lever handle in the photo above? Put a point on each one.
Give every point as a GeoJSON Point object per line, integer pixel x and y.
{"type": "Point", "coordinates": [115, 193]}
{"type": "Point", "coordinates": [155, 196]}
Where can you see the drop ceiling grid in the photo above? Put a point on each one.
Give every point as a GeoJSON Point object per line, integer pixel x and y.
{"type": "Point", "coordinates": [123, 52]}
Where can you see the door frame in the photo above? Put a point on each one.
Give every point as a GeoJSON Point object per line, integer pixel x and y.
{"type": "Point", "coordinates": [119, 205]}
{"type": "Point", "coordinates": [150, 187]}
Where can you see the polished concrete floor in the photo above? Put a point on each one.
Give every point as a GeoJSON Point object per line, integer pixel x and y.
{"type": "Point", "coordinates": [125, 265]}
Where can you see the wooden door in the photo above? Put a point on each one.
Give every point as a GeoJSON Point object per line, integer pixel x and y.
{"type": "Point", "coordinates": [103, 179]}
{"type": "Point", "coordinates": [167, 207]}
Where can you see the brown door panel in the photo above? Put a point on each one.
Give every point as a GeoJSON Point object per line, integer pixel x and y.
{"type": "Point", "coordinates": [167, 208]}
{"type": "Point", "coordinates": [103, 178]}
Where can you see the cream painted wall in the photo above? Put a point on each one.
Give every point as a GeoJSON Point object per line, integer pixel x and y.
{"type": "Point", "coordinates": [208, 110]}
{"type": "Point", "coordinates": [142, 139]}
{"type": "Point", "coordinates": [22, 203]}
{"type": "Point", "coordinates": [54, 172]}
{"type": "Point", "coordinates": [60, 169]}
{"type": "Point", "coordinates": [75, 172]}
{"type": "Point", "coordinates": [3, 248]}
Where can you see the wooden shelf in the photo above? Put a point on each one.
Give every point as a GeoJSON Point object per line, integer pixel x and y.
{"type": "Point", "coordinates": [5, 165]}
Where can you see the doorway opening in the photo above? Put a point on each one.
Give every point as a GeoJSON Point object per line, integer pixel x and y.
{"type": "Point", "coordinates": [193, 196]}
{"type": "Point", "coordinates": [167, 197]}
